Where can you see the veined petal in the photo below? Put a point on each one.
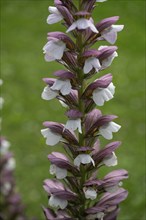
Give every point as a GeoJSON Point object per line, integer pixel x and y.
{"type": "Point", "coordinates": [90, 194]}
{"type": "Point", "coordinates": [110, 160]}
{"type": "Point", "coordinates": [48, 93]}
{"type": "Point", "coordinates": [56, 202]}
{"type": "Point", "coordinates": [51, 138]}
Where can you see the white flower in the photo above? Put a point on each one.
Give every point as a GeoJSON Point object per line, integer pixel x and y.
{"type": "Point", "coordinates": [101, 0]}
{"type": "Point", "coordinates": [106, 130]}
{"type": "Point", "coordinates": [51, 138]}
{"type": "Point", "coordinates": [73, 124]}
{"type": "Point", "coordinates": [110, 34]}
{"type": "Point", "coordinates": [54, 50]}
{"type": "Point", "coordinates": [48, 93]}
{"type": "Point", "coordinates": [84, 159]}
{"type": "Point", "coordinates": [82, 24]}
{"type": "Point", "coordinates": [63, 85]}
{"type": "Point", "coordinates": [100, 215]}
{"type": "Point", "coordinates": [1, 102]}
{"type": "Point", "coordinates": [56, 202]}
{"type": "Point", "coordinates": [59, 172]}
{"type": "Point", "coordinates": [100, 95]}
{"type": "Point", "coordinates": [55, 16]}
{"type": "Point", "coordinates": [11, 164]}
{"type": "Point", "coordinates": [90, 194]}
{"type": "Point", "coordinates": [4, 147]}
{"type": "Point", "coordinates": [110, 160]}
{"type": "Point", "coordinates": [107, 62]}
{"type": "Point", "coordinates": [90, 63]}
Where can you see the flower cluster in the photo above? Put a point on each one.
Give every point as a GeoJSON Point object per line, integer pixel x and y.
{"type": "Point", "coordinates": [11, 206]}
{"type": "Point", "coordinates": [77, 190]}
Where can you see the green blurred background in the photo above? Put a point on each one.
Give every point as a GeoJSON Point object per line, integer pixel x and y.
{"type": "Point", "coordinates": [23, 34]}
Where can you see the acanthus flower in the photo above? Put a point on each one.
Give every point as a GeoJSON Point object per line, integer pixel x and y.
{"type": "Point", "coordinates": [55, 16]}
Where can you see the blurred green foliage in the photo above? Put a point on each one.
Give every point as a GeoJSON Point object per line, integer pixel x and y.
{"type": "Point", "coordinates": [23, 34]}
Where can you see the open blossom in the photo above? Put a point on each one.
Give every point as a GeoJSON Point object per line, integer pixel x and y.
{"type": "Point", "coordinates": [51, 137]}
{"type": "Point", "coordinates": [55, 15]}
{"type": "Point", "coordinates": [48, 93]}
{"type": "Point", "coordinates": [54, 50]}
{"type": "Point", "coordinates": [82, 24]}
{"type": "Point", "coordinates": [110, 33]}
{"type": "Point", "coordinates": [59, 172]}
{"type": "Point", "coordinates": [90, 193]}
{"type": "Point", "coordinates": [90, 63]}
{"type": "Point", "coordinates": [84, 159]}
{"type": "Point", "coordinates": [56, 202]}
{"type": "Point", "coordinates": [74, 121]}
{"type": "Point", "coordinates": [107, 130]}
{"type": "Point", "coordinates": [108, 61]}
{"type": "Point", "coordinates": [110, 160]}
{"type": "Point", "coordinates": [100, 95]}
{"type": "Point", "coordinates": [64, 86]}
{"type": "Point", "coordinates": [101, 0]}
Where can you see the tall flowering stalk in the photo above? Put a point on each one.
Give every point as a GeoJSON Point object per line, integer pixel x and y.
{"type": "Point", "coordinates": [77, 190]}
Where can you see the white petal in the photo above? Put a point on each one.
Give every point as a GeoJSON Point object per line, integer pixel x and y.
{"type": "Point", "coordinates": [63, 104]}
{"type": "Point", "coordinates": [72, 27]}
{"type": "Point", "coordinates": [61, 173]}
{"type": "Point", "coordinates": [84, 159]}
{"type": "Point", "coordinates": [57, 202]}
{"type": "Point", "coordinates": [110, 36]}
{"type": "Point", "coordinates": [100, 95]}
{"type": "Point", "coordinates": [91, 63]}
{"type": "Point", "coordinates": [106, 130]}
{"type": "Point", "coordinates": [53, 18]}
{"type": "Point", "coordinates": [66, 89]}
{"type": "Point", "coordinates": [107, 62]}
{"type": "Point", "coordinates": [51, 138]}
{"type": "Point", "coordinates": [82, 23]}
{"type": "Point", "coordinates": [49, 58]}
{"type": "Point", "coordinates": [110, 160]}
{"type": "Point", "coordinates": [102, 47]}
{"type": "Point", "coordinates": [63, 85]}
{"type": "Point", "coordinates": [118, 28]}
{"type": "Point", "coordinates": [100, 215]}
{"type": "Point", "coordinates": [114, 126]}
{"type": "Point", "coordinates": [1, 102]}
{"type": "Point", "coordinates": [88, 66]}
{"type": "Point", "coordinates": [55, 49]}
{"type": "Point", "coordinates": [90, 194]}
{"type": "Point", "coordinates": [48, 93]}
{"type": "Point", "coordinates": [55, 15]}
{"type": "Point", "coordinates": [53, 10]}
{"type": "Point", "coordinates": [92, 26]}
{"type": "Point", "coordinates": [73, 124]}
